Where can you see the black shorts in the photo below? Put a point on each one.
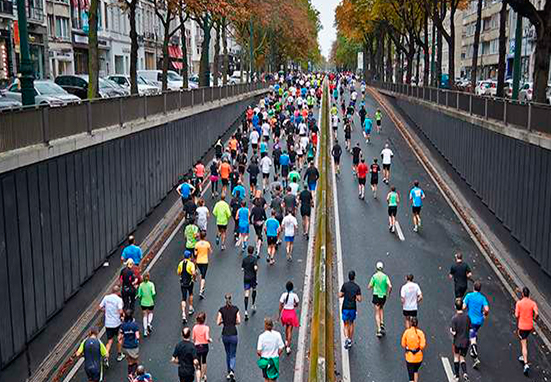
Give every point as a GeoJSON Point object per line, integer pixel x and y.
{"type": "Point", "coordinates": [337, 160]}
{"type": "Point", "coordinates": [378, 300]}
{"type": "Point", "coordinates": [460, 291]}
{"type": "Point", "coordinates": [374, 180]}
{"type": "Point", "coordinates": [462, 351]}
{"type": "Point", "coordinates": [392, 210]}
{"type": "Point", "coordinates": [241, 169]}
{"type": "Point", "coordinates": [412, 369]}
{"type": "Point", "coordinates": [233, 154]}
{"type": "Point", "coordinates": [225, 181]}
{"type": "Point", "coordinates": [416, 210]}
{"type": "Point", "coordinates": [254, 146]}
{"type": "Point", "coordinates": [355, 161]}
{"type": "Point", "coordinates": [523, 334]}
{"type": "Point", "coordinates": [265, 176]}
{"type": "Point", "coordinates": [409, 313]}
{"type": "Point", "coordinates": [361, 181]}
{"type": "Point", "coordinates": [252, 181]}
{"type": "Point", "coordinates": [347, 136]}
{"type": "Point", "coordinates": [307, 211]}
{"type": "Point", "coordinates": [202, 352]}
{"type": "Point", "coordinates": [285, 171]}
{"type": "Point", "coordinates": [249, 284]}
{"type": "Point", "coordinates": [386, 166]}
{"type": "Point", "coordinates": [187, 290]}
{"type": "Point", "coordinates": [152, 307]}
{"type": "Point", "coordinates": [222, 228]}
{"type": "Point", "coordinates": [186, 378]}
{"type": "Point", "coordinates": [258, 230]}
{"type": "Point", "coordinates": [93, 374]}
{"type": "Point", "coordinates": [112, 332]}
{"type": "Point", "coordinates": [203, 269]}
{"type": "Point", "coordinates": [272, 240]}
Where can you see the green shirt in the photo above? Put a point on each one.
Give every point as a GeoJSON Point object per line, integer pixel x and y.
{"type": "Point", "coordinates": [294, 177]}
{"type": "Point", "coordinates": [393, 199]}
{"type": "Point", "coordinates": [378, 115]}
{"type": "Point", "coordinates": [190, 234]}
{"type": "Point", "coordinates": [146, 293]}
{"type": "Point", "coordinates": [222, 213]}
{"type": "Point", "coordinates": [379, 282]}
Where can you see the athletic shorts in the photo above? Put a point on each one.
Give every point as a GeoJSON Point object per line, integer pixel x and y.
{"type": "Point", "coordinates": [186, 378]}
{"type": "Point", "coordinates": [203, 269]}
{"type": "Point", "coordinates": [378, 300]}
{"type": "Point", "coordinates": [254, 146]}
{"type": "Point", "coordinates": [473, 331]}
{"type": "Point", "coordinates": [335, 127]}
{"type": "Point", "coordinates": [252, 181]}
{"type": "Point", "coordinates": [386, 166]}
{"type": "Point", "coordinates": [347, 136]}
{"type": "Point", "coordinates": [409, 313]}
{"type": "Point", "coordinates": [378, 122]}
{"type": "Point", "coordinates": [222, 228]}
{"type": "Point", "coordinates": [361, 181]}
{"type": "Point", "coordinates": [241, 169]}
{"type": "Point", "coordinates": [244, 229]}
{"type": "Point", "coordinates": [337, 160]}
{"type": "Point", "coordinates": [392, 210]}
{"type": "Point", "coordinates": [285, 171]}
{"type": "Point", "coordinates": [462, 351]}
{"type": "Point", "coordinates": [272, 240]}
{"type": "Point", "coordinates": [133, 353]}
{"type": "Point", "coordinates": [355, 161]}
{"type": "Point", "coordinates": [152, 307]}
{"type": "Point", "coordinates": [312, 186]}
{"type": "Point", "coordinates": [187, 290]}
{"type": "Point", "coordinates": [460, 291]}
{"type": "Point", "coordinates": [93, 374]}
{"type": "Point", "coordinates": [258, 230]}
{"type": "Point", "coordinates": [307, 211]}
{"type": "Point", "coordinates": [349, 315]}
{"type": "Point", "coordinates": [265, 176]}
{"type": "Point", "coordinates": [202, 352]}
{"type": "Point", "coordinates": [416, 210]}
{"type": "Point", "coordinates": [523, 334]}
{"type": "Point", "coordinates": [412, 369]}
{"type": "Point", "coordinates": [249, 284]}
{"type": "Point", "coordinates": [374, 180]}
{"type": "Point", "coordinates": [112, 332]}
{"type": "Point", "coordinates": [225, 181]}
{"type": "Point", "coordinates": [367, 131]}
{"type": "Point", "coordinates": [289, 239]}
{"type": "Point", "coordinates": [233, 154]}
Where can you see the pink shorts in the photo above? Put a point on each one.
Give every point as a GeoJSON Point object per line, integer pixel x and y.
{"type": "Point", "coordinates": [214, 178]}
{"type": "Point", "coordinates": [289, 317]}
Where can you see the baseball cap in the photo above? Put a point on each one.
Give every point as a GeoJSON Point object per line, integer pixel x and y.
{"type": "Point", "coordinates": [187, 254]}
{"type": "Point", "coordinates": [380, 265]}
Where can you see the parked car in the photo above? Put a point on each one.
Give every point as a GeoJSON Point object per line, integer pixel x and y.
{"type": "Point", "coordinates": [526, 91]}
{"type": "Point", "coordinates": [46, 93]}
{"type": "Point", "coordinates": [144, 88]}
{"type": "Point", "coordinates": [78, 85]}
{"type": "Point", "coordinates": [508, 88]}
{"type": "Point", "coordinates": [548, 94]}
{"type": "Point", "coordinates": [124, 91]}
{"type": "Point", "coordinates": [481, 87]}
{"type": "Point", "coordinates": [491, 89]}
{"type": "Point", "coordinates": [235, 79]}
{"type": "Point", "coordinates": [9, 103]}
{"type": "Point", "coordinates": [174, 80]}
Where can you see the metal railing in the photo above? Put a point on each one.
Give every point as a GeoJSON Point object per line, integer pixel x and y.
{"type": "Point", "coordinates": [530, 116]}
{"type": "Point", "coordinates": [40, 124]}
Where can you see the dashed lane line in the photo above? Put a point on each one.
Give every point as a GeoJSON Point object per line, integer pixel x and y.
{"type": "Point", "coordinates": [399, 231]}
{"type": "Point", "coordinates": [448, 368]}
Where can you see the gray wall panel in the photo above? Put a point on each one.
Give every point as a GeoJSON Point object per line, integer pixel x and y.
{"type": "Point", "coordinates": [64, 228]}
{"type": "Point", "coordinates": [6, 332]}
{"type": "Point", "coordinates": [81, 223]}
{"type": "Point", "coordinates": [87, 207]}
{"type": "Point", "coordinates": [47, 254]}
{"type": "Point", "coordinates": [101, 201]}
{"type": "Point", "coordinates": [97, 255]}
{"type": "Point", "coordinates": [56, 234]}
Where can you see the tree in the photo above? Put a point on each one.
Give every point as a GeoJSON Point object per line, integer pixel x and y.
{"type": "Point", "coordinates": [541, 19]}
{"type": "Point", "coordinates": [166, 12]}
{"type": "Point", "coordinates": [182, 14]}
{"type": "Point", "coordinates": [93, 57]}
{"type": "Point", "coordinates": [502, 50]}
{"type": "Point", "coordinates": [130, 6]}
{"type": "Point", "coordinates": [474, 65]}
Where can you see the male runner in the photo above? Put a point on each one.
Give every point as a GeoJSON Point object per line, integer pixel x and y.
{"type": "Point", "coordinates": [311, 176]}
{"type": "Point", "coordinates": [381, 286]}
{"type": "Point", "coordinates": [187, 272]}
{"type": "Point", "coordinates": [374, 169]}
{"type": "Point", "coordinates": [351, 294]}
{"type": "Point", "coordinates": [272, 228]}
{"type": "Point", "coordinates": [362, 176]}
{"type": "Point", "coordinates": [336, 152]}
{"type": "Point", "coordinates": [460, 273]}
{"type": "Point", "coordinates": [526, 312]}
{"type": "Point", "coordinates": [347, 136]}
{"type": "Point", "coordinates": [249, 267]}
{"type": "Point", "coordinates": [306, 204]}
{"type": "Point", "coordinates": [243, 222]}
{"type": "Point", "coordinates": [416, 195]}
{"type": "Point", "coordinates": [478, 308]}
{"type": "Point", "coordinates": [368, 124]}
{"type": "Point", "coordinates": [411, 296]}
{"type": "Point", "coordinates": [393, 199]}
{"type": "Point", "coordinates": [387, 155]}
{"type": "Point", "coordinates": [222, 213]}
{"type": "Point", "coordinates": [290, 226]}
{"type": "Point", "coordinates": [459, 329]}
{"type": "Point", "coordinates": [356, 155]}
{"type": "Point", "coordinates": [258, 217]}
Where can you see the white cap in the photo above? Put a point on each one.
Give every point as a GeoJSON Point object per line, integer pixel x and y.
{"type": "Point", "coordinates": [380, 265]}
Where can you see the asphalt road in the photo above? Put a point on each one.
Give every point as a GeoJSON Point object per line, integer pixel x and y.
{"type": "Point", "coordinates": [428, 255]}
{"type": "Point", "coordinates": [224, 275]}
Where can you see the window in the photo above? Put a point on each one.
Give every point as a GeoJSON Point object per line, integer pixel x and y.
{"type": "Point", "coordinates": [51, 31]}
{"type": "Point", "coordinates": [105, 6]}
{"type": "Point", "coordinates": [62, 27]}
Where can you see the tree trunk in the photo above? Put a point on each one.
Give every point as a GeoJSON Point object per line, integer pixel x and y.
{"type": "Point", "coordinates": [225, 59]}
{"type": "Point", "coordinates": [426, 53]}
{"type": "Point", "coordinates": [204, 70]}
{"type": "Point", "coordinates": [541, 64]}
{"type": "Point", "coordinates": [418, 68]}
{"type": "Point", "coordinates": [439, 44]}
{"type": "Point", "coordinates": [372, 60]}
{"type": "Point", "coordinates": [474, 65]}
{"type": "Point", "coordinates": [166, 58]}
{"type": "Point", "coordinates": [216, 69]}
{"type": "Point", "coordinates": [242, 65]}
{"type": "Point", "coordinates": [380, 53]}
{"type": "Point", "coordinates": [451, 49]}
{"type": "Point", "coordinates": [364, 61]}
{"type": "Point", "coordinates": [133, 47]}
{"type": "Point", "coordinates": [502, 50]}
{"type": "Point", "coordinates": [389, 67]}
{"type": "Point", "coordinates": [434, 76]}
{"type": "Point", "coordinates": [185, 67]}
{"type": "Point", "coordinates": [93, 60]}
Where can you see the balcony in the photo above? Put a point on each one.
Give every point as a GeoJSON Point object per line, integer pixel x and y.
{"type": "Point", "coordinates": [6, 7]}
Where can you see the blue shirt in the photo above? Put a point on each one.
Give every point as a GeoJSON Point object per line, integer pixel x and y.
{"type": "Point", "coordinates": [475, 302]}
{"type": "Point", "coordinates": [335, 93]}
{"type": "Point", "coordinates": [129, 330]}
{"type": "Point", "coordinates": [284, 160]}
{"type": "Point", "coordinates": [303, 92]}
{"type": "Point", "coordinates": [243, 215]}
{"type": "Point", "coordinates": [185, 189]}
{"type": "Point", "coordinates": [239, 190]}
{"type": "Point", "coordinates": [255, 120]}
{"type": "Point", "coordinates": [272, 225]}
{"type": "Point", "coordinates": [263, 147]}
{"type": "Point", "coordinates": [416, 195]}
{"type": "Point", "coordinates": [132, 252]}
{"type": "Point", "coordinates": [368, 124]}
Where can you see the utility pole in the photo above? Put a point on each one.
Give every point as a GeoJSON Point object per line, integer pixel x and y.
{"type": "Point", "coordinates": [251, 48]}
{"type": "Point", "coordinates": [26, 65]}
{"type": "Point", "coordinates": [516, 62]}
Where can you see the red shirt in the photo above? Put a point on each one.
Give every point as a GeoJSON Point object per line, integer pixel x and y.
{"type": "Point", "coordinates": [362, 170]}
{"type": "Point", "coordinates": [525, 311]}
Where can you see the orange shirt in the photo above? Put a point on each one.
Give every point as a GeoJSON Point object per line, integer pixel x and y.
{"type": "Point", "coordinates": [525, 311]}
{"type": "Point", "coordinates": [414, 339]}
{"type": "Point", "coordinates": [200, 334]}
{"type": "Point", "coordinates": [202, 249]}
{"type": "Point", "coordinates": [233, 144]}
{"type": "Point", "coordinates": [200, 170]}
{"type": "Point", "coordinates": [304, 113]}
{"type": "Point", "coordinates": [225, 170]}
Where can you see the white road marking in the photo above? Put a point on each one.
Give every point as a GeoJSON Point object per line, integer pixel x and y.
{"type": "Point", "coordinates": [448, 369]}
{"type": "Point", "coordinates": [399, 231]}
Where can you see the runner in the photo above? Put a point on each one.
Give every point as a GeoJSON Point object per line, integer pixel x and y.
{"type": "Point", "coordinates": [284, 161]}
{"type": "Point", "coordinates": [185, 190]}
{"type": "Point", "coordinates": [393, 199]}
{"type": "Point", "coordinates": [228, 317]}
{"type": "Point", "coordinates": [290, 200]}
{"type": "Point", "coordinates": [356, 155]}
{"type": "Point", "coordinates": [112, 307]}
{"type": "Point", "coordinates": [478, 309]}
{"type": "Point", "coordinates": [214, 177]}
{"type": "Point", "coordinates": [362, 176]}
{"type": "Point", "coordinates": [387, 155]}
{"type": "Point", "coordinates": [258, 217]}
{"type": "Point", "coordinates": [191, 233]}
{"type": "Point", "coordinates": [311, 176]}
{"type": "Point", "coordinates": [381, 286]}
{"type": "Point", "coordinates": [460, 273]}
{"type": "Point", "coordinates": [414, 342]}
{"type": "Point", "coordinates": [239, 190]}
{"type": "Point", "coordinates": [290, 226]}
{"type": "Point", "coordinates": [93, 351]}
{"type": "Point", "coordinates": [335, 123]}
{"type": "Point", "coordinates": [272, 233]}
{"type": "Point", "coordinates": [460, 331]}
{"type": "Point", "coordinates": [129, 282]}
{"type": "Point", "coordinates": [132, 251]}
{"type": "Point", "coordinates": [142, 375]}
{"type": "Point", "coordinates": [199, 171]}
{"type": "Point", "coordinates": [306, 204]}
{"type": "Point", "coordinates": [185, 356]}
{"type": "Point", "coordinates": [202, 251]}
{"type": "Point", "coordinates": [348, 136]}
{"type": "Point", "coordinates": [241, 165]}
{"type": "Point", "coordinates": [242, 217]}
{"type": "Point", "coordinates": [225, 170]}
{"type": "Point", "coordinates": [265, 166]}
{"type": "Point", "coordinates": [416, 196]}
{"type": "Point", "coordinates": [336, 152]}
{"type": "Point", "coordinates": [249, 267]}
{"type": "Point", "coordinates": [288, 302]}
{"type": "Point", "coordinates": [374, 170]}
{"type": "Point", "coordinates": [222, 213]}
{"type": "Point", "coordinates": [201, 339]}
{"type": "Point", "coordinates": [146, 294]}
{"type": "Point", "coordinates": [362, 113]}
{"type": "Point", "coordinates": [378, 120]}
{"type": "Point", "coordinates": [351, 294]}
{"type": "Point", "coordinates": [203, 214]}
{"type": "Point", "coordinates": [129, 335]}
{"type": "Point", "coordinates": [218, 148]}
{"type": "Point", "coordinates": [253, 171]}
{"type": "Point", "coordinates": [269, 348]}
{"type": "Point", "coordinates": [187, 272]}
{"type": "Point", "coordinates": [526, 312]}
{"type": "Point", "coordinates": [411, 296]}
{"type": "Point", "coordinates": [254, 137]}
{"type": "Point", "coordinates": [368, 124]}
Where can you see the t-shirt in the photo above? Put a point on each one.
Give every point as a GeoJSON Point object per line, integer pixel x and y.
{"type": "Point", "coordinates": [289, 299]}
{"type": "Point", "coordinates": [284, 160]}
{"type": "Point", "coordinates": [272, 225]}
{"type": "Point", "coordinates": [200, 169]}
{"type": "Point", "coordinates": [525, 310]}
{"type": "Point", "coordinates": [200, 334]}
{"type": "Point", "coordinates": [335, 120]}
{"type": "Point", "coordinates": [254, 136]}
{"type": "Point", "coordinates": [356, 151]}
{"type": "Point", "coordinates": [146, 293]}
{"type": "Point", "coordinates": [312, 174]}
{"type": "Point", "coordinates": [225, 170]}
{"type": "Point", "coordinates": [269, 344]}
{"type": "Point", "coordinates": [410, 292]}
{"type": "Point", "coordinates": [476, 302]}
{"type": "Point", "coordinates": [276, 206]}
{"type": "Point", "coordinates": [112, 304]}
{"type": "Point", "coordinates": [362, 171]}
{"type": "Point", "coordinates": [380, 283]}
{"type": "Point", "coordinates": [461, 325]}
{"type": "Point", "coordinates": [185, 189]}
{"type": "Point", "coordinates": [258, 215]}
{"type": "Point", "coordinates": [294, 177]}
{"type": "Point", "coordinates": [202, 250]}
{"type": "Point", "coordinates": [94, 351]}
{"type": "Point", "coordinates": [229, 319]}
{"type": "Point", "coordinates": [253, 171]}
{"type": "Point", "coordinates": [132, 252]}
{"type": "Point", "coordinates": [248, 264]}
{"type": "Point", "coordinates": [294, 188]}
{"type": "Point", "coordinates": [129, 330]}
{"type": "Point", "coordinates": [336, 151]}
{"type": "Point", "coordinates": [387, 155]}
{"type": "Point", "coordinates": [190, 233]}
{"type": "Point", "coordinates": [290, 201]}
{"type": "Point", "coordinates": [305, 200]}
{"type": "Point", "coordinates": [368, 124]}
{"type": "Point", "coordinates": [186, 275]}
{"type": "Point", "coordinates": [266, 164]}
{"type": "Point", "coordinates": [289, 224]}
{"type": "Point", "coordinates": [222, 212]}
{"type": "Point", "coordinates": [243, 215]}
{"type": "Point", "coordinates": [185, 353]}
{"type": "Point", "coordinates": [202, 217]}
{"type": "Point", "coordinates": [459, 272]}
{"type": "Point", "coordinates": [416, 195]}
{"type": "Point", "coordinates": [374, 170]}
{"type": "Point", "coordinates": [239, 191]}
{"type": "Point", "coordinates": [350, 290]}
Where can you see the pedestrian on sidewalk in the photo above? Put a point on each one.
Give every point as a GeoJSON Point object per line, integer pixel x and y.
{"type": "Point", "coordinates": [414, 342]}
{"type": "Point", "coordinates": [228, 317]}
{"type": "Point", "coordinates": [460, 273]}
{"type": "Point", "coordinates": [526, 312]}
{"type": "Point", "coordinates": [201, 339]}
{"type": "Point", "coordinates": [269, 349]}
{"type": "Point", "coordinates": [288, 302]}
{"type": "Point", "coordinates": [146, 294]}
{"type": "Point", "coordinates": [351, 294]}
{"type": "Point", "coordinates": [129, 282]}
{"type": "Point", "coordinates": [393, 199]}
{"type": "Point", "coordinates": [112, 306]}
{"type": "Point", "coordinates": [132, 251]}
{"type": "Point", "coordinates": [249, 267]}
{"type": "Point", "coordinates": [185, 356]}
{"type": "Point", "coordinates": [416, 196]}
{"type": "Point", "coordinates": [460, 327]}
{"type": "Point", "coordinates": [203, 250]}
{"type": "Point", "coordinates": [130, 337]}
{"type": "Point", "coordinates": [187, 272]}
{"type": "Point", "coordinates": [381, 286]}
{"type": "Point", "coordinates": [478, 309]}
{"type": "Point", "coordinates": [94, 352]}
{"type": "Point", "coordinates": [290, 227]}
{"type": "Point", "coordinates": [411, 296]}
{"type": "Point", "coordinates": [222, 213]}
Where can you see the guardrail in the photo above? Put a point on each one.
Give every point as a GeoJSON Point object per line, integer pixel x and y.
{"type": "Point", "coordinates": [529, 116]}
{"type": "Point", "coordinates": [40, 124]}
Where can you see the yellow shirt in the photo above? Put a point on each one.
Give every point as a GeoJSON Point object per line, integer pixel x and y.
{"type": "Point", "coordinates": [190, 268]}
{"type": "Point", "coordinates": [202, 249]}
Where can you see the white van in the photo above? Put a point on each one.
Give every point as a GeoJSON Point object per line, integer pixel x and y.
{"type": "Point", "coordinates": [175, 82]}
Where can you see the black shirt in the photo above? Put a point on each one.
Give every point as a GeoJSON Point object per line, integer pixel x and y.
{"type": "Point", "coordinates": [92, 355]}
{"type": "Point", "coordinates": [312, 174]}
{"type": "Point", "coordinates": [248, 264]}
{"type": "Point", "coordinates": [214, 169]}
{"type": "Point", "coordinates": [461, 325]}
{"type": "Point", "coordinates": [260, 202]}
{"type": "Point", "coordinates": [185, 353]}
{"type": "Point", "coordinates": [229, 319]}
{"type": "Point", "coordinates": [276, 206]}
{"type": "Point", "coordinates": [305, 200]}
{"type": "Point", "coordinates": [190, 207]}
{"type": "Point", "coordinates": [459, 272]}
{"type": "Point", "coordinates": [253, 170]}
{"type": "Point", "coordinates": [290, 202]}
{"type": "Point", "coordinates": [128, 277]}
{"type": "Point", "coordinates": [258, 215]}
{"type": "Point", "coordinates": [362, 113]}
{"type": "Point", "coordinates": [350, 290]}
{"type": "Point", "coordinates": [356, 151]}
{"type": "Point", "coordinates": [336, 151]}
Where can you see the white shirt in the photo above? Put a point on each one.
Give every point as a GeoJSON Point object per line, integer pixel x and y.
{"type": "Point", "coordinates": [202, 214]}
{"type": "Point", "coordinates": [265, 164]}
{"type": "Point", "coordinates": [266, 129]}
{"type": "Point", "coordinates": [289, 223]}
{"type": "Point", "coordinates": [290, 304]}
{"type": "Point", "coordinates": [335, 121]}
{"type": "Point", "coordinates": [299, 101]}
{"type": "Point", "coordinates": [302, 128]}
{"type": "Point", "coordinates": [410, 292]}
{"type": "Point", "coordinates": [290, 99]}
{"type": "Point", "coordinates": [269, 344]}
{"type": "Point", "coordinates": [387, 155]}
{"type": "Point", "coordinates": [294, 188]}
{"type": "Point", "coordinates": [112, 304]}
{"type": "Point", "coordinates": [304, 142]}
{"type": "Point", "coordinates": [254, 137]}
{"type": "Point", "coordinates": [354, 95]}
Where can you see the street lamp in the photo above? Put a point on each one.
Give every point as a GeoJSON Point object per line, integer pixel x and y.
{"type": "Point", "coordinates": [26, 65]}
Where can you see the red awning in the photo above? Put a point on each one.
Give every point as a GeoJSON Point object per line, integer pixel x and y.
{"type": "Point", "coordinates": [174, 51]}
{"type": "Point", "coordinates": [177, 65]}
